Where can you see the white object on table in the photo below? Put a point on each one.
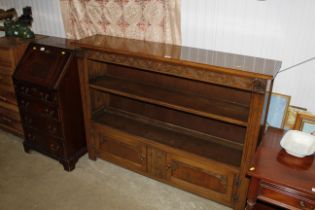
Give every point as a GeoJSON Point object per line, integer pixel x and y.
{"type": "Point", "coordinates": [298, 143]}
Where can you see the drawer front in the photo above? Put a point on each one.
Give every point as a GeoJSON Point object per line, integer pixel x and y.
{"type": "Point", "coordinates": [10, 119]}
{"type": "Point", "coordinates": [43, 142]}
{"type": "Point", "coordinates": [206, 179]}
{"type": "Point", "coordinates": [6, 78]}
{"type": "Point", "coordinates": [7, 94]}
{"type": "Point", "coordinates": [52, 127]}
{"type": "Point", "coordinates": [46, 96]}
{"type": "Point", "coordinates": [125, 152]}
{"type": "Point", "coordinates": [6, 58]}
{"type": "Point", "coordinates": [29, 105]}
{"type": "Point", "coordinates": [286, 197]}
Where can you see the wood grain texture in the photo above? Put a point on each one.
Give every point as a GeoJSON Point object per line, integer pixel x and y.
{"type": "Point", "coordinates": [263, 68]}
{"type": "Point", "coordinates": [203, 118]}
{"type": "Point", "coordinates": [284, 180]}
{"type": "Point", "coordinates": [50, 103]}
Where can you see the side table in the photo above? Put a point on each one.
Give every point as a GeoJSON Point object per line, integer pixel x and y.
{"type": "Point", "coordinates": [279, 178]}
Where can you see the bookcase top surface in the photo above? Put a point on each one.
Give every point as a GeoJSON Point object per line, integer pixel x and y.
{"type": "Point", "coordinates": [237, 64]}
{"type": "Point", "coordinates": [13, 42]}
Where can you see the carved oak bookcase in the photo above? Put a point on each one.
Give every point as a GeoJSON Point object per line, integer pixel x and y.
{"type": "Point", "coordinates": [187, 117]}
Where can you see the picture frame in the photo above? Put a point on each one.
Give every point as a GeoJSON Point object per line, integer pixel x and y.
{"type": "Point", "coordinates": [278, 107]}
{"type": "Point", "coordinates": [305, 122]}
{"type": "Point", "coordinates": [291, 116]}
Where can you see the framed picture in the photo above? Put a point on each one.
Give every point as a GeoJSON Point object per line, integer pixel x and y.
{"type": "Point", "coordinates": [291, 116]}
{"type": "Point", "coordinates": [305, 122]}
{"type": "Point", "coordinates": [277, 109]}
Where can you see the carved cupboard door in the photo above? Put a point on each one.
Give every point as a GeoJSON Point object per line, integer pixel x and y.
{"type": "Point", "coordinates": [202, 177]}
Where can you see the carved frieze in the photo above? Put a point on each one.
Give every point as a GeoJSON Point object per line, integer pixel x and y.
{"type": "Point", "coordinates": [190, 72]}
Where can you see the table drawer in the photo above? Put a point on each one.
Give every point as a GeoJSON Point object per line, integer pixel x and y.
{"type": "Point", "coordinates": [286, 197]}
{"type": "Point", "coordinates": [10, 120]}
{"type": "Point", "coordinates": [26, 104]}
{"type": "Point", "coordinates": [52, 127]}
{"type": "Point", "coordinates": [43, 142]}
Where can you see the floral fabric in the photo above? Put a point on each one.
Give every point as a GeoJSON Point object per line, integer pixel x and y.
{"type": "Point", "coordinates": [151, 20]}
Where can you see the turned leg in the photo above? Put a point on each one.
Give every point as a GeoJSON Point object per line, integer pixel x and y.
{"type": "Point", "coordinates": [27, 149]}
{"type": "Point", "coordinates": [252, 193]}
{"type": "Point", "coordinates": [68, 165]}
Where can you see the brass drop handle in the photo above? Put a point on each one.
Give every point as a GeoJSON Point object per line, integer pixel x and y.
{"type": "Point", "coordinates": [24, 103]}
{"type": "Point", "coordinates": [52, 129]}
{"type": "Point", "coordinates": [28, 120]}
{"type": "Point", "coordinates": [49, 112]}
{"type": "Point", "coordinates": [302, 204]}
{"type": "Point", "coordinates": [24, 89]}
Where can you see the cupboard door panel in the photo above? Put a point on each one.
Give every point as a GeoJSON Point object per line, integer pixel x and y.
{"type": "Point", "coordinates": [205, 179]}
{"type": "Point", "coordinates": [157, 163]}
{"type": "Point", "coordinates": [127, 153]}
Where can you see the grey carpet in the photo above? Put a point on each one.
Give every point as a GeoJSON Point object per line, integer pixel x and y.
{"type": "Point", "coordinates": [33, 181]}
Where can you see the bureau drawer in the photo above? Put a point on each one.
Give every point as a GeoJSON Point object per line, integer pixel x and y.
{"type": "Point", "coordinates": [52, 127]}
{"type": "Point", "coordinates": [6, 58]}
{"type": "Point", "coordinates": [46, 96]}
{"type": "Point", "coordinates": [286, 197]}
{"type": "Point", "coordinates": [10, 119]}
{"type": "Point", "coordinates": [32, 106]}
{"type": "Point", "coordinates": [7, 94]}
{"type": "Point", "coordinates": [44, 143]}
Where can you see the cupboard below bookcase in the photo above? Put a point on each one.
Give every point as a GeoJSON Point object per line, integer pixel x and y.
{"type": "Point", "coordinates": [187, 117]}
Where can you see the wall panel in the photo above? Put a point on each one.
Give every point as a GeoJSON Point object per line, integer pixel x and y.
{"type": "Point", "coordinates": [277, 29]}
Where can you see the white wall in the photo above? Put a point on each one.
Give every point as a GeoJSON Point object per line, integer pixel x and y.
{"type": "Point", "coordinates": [277, 29]}
{"type": "Point", "coordinates": [46, 14]}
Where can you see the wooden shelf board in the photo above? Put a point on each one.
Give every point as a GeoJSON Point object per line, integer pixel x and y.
{"type": "Point", "coordinates": [208, 147]}
{"type": "Point", "coordinates": [219, 110]}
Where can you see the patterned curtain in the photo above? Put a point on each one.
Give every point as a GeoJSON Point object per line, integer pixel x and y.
{"type": "Point", "coordinates": [151, 20]}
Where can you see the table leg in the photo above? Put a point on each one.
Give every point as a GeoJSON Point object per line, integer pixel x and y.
{"type": "Point", "coordinates": [252, 193]}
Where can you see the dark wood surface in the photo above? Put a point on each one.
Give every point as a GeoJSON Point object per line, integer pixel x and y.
{"type": "Point", "coordinates": [48, 92]}
{"type": "Point", "coordinates": [186, 120]}
{"type": "Point", "coordinates": [203, 145]}
{"type": "Point", "coordinates": [280, 178]}
{"type": "Point", "coordinates": [215, 109]}
{"type": "Point", "coordinates": [241, 64]}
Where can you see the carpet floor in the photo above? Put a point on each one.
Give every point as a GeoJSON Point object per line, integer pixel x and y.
{"type": "Point", "coordinates": [34, 181]}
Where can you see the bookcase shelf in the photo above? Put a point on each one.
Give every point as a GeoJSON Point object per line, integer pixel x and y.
{"type": "Point", "coordinates": [173, 136]}
{"type": "Point", "coordinates": [219, 110]}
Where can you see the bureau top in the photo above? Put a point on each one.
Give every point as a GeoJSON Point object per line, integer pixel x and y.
{"type": "Point", "coordinates": [242, 65]}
